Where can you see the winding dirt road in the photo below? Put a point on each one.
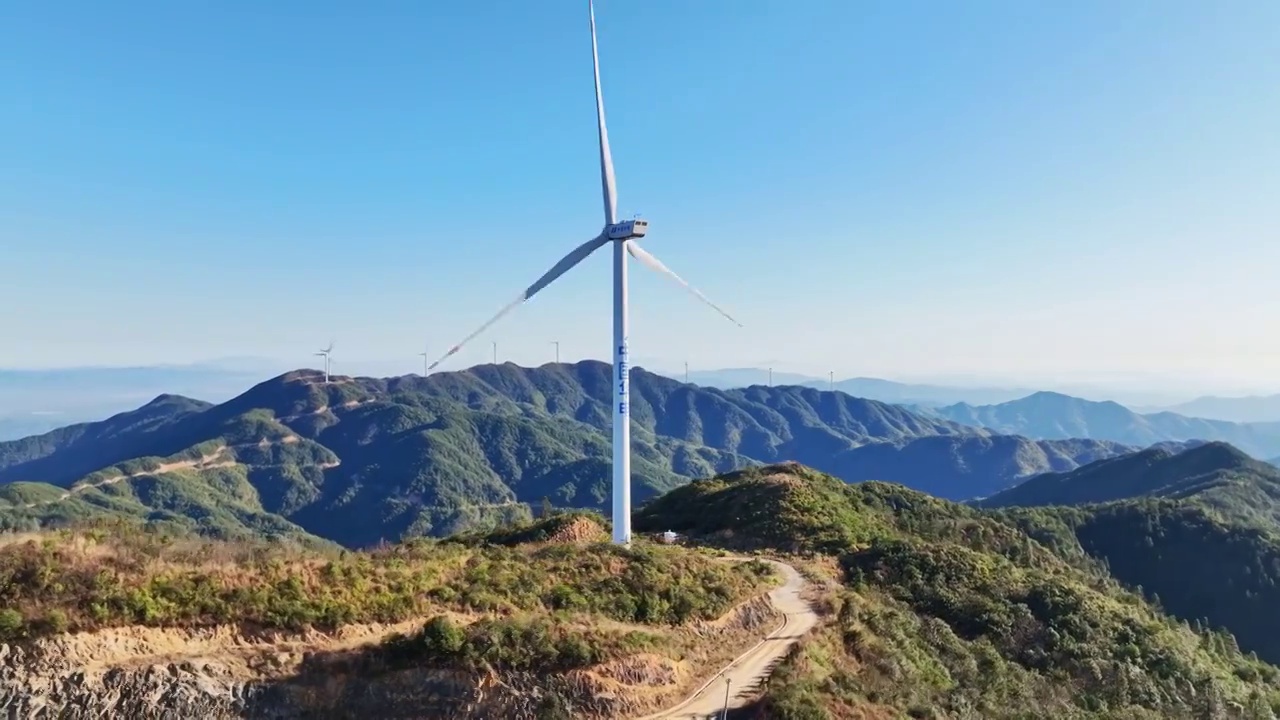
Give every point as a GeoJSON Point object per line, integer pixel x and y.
{"type": "Point", "coordinates": [204, 463]}
{"type": "Point", "coordinates": [216, 459]}
{"type": "Point", "coordinates": [749, 670]}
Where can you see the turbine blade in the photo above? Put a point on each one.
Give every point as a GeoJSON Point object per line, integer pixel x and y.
{"type": "Point", "coordinates": [579, 254]}
{"type": "Point", "coordinates": [607, 179]}
{"type": "Point", "coordinates": [654, 263]}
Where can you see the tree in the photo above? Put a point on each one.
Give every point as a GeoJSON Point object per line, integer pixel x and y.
{"type": "Point", "coordinates": [554, 706]}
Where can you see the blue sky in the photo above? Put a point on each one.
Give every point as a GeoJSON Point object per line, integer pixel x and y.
{"type": "Point", "coordinates": [902, 189]}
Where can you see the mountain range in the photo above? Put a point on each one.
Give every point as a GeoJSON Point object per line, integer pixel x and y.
{"type": "Point", "coordinates": [358, 460]}
{"type": "Point", "coordinates": [1049, 415]}
{"type": "Point", "coordinates": [1111, 577]}
{"type": "Point", "coordinates": [1137, 392]}
{"type": "Point", "coordinates": [1252, 408]}
{"type": "Point", "coordinates": [890, 391]}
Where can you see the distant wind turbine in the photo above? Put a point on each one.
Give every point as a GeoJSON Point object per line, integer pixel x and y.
{"type": "Point", "coordinates": [622, 236]}
{"type": "Point", "coordinates": [326, 354]}
{"type": "Point", "coordinates": [495, 352]}
{"type": "Point", "coordinates": [426, 358]}
{"type": "Point", "coordinates": [557, 344]}
{"type": "Point", "coordinates": [831, 380]}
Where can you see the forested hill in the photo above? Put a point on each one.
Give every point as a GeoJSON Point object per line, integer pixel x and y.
{"type": "Point", "coordinates": [1215, 475]}
{"type": "Point", "coordinates": [357, 460]}
{"type": "Point", "coordinates": [1199, 530]}
{"type": "Point", "coordinates": [943, 610]}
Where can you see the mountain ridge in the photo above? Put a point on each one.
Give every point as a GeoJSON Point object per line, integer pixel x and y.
{"type": "Point", "coordinates": [1249, 408]}
{"type": "Point", "coordinates": [1052, 415]}
{"type": "Point", "coordinates": [413, 455]}
{"type": "Point", "coordinates": [1214, 475]}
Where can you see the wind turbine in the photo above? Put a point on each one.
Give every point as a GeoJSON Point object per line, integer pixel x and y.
{"type": "Point", "coordinates": [326, 353]}
{"type": "Point", "coordinates": [622, 235]}
{"type": "Point", "coordinates": [425, 359]}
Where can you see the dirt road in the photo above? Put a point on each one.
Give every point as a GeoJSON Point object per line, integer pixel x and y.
{"type": "Point", "coordinates": [214, 460]}
{"type": "Point", "coordinates": [204, 463]}
{"type": "Point", "coordinates": [749, 670]}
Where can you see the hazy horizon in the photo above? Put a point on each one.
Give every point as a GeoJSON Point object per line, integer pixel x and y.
{"type": "Point", "coordinates": [1146, 388]}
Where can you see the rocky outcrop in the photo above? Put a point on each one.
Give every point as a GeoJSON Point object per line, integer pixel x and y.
{"type": "Point", "coordinates": [226, 673]}
{"type": "Point", "coordinates": [212, 691]}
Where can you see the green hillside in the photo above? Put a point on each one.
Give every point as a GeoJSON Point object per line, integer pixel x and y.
{"type": "Point", "coordinates": [1210, 572]}
{"type": "Point", "coordinates": [945, 610]}
{"type": "Point", "coordinates": [360, 623]}
{"type": "Point", "coordinates": [1214, 475]}
{"type": "Point", "coordinates": [80, 449]}
{"type": "Point", "coordinates": [360, 460]}
{"type": "Point", "coordinates": [963, 467]}
{"type": "Point", "coordinates": [1199, 530]}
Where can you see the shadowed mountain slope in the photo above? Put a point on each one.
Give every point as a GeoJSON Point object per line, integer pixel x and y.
{"type": "Point", "coordinates": [1215, 475]}
{"type": "Point", "coordinates": [1198, 529]}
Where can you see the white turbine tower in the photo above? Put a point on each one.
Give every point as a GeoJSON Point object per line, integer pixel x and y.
{"type": "Point", "coordinates": [426, 357]}
{"type": "Point", "coordinates": [622, 235]}
{"type": "Point", "coordinates": [325, 353]}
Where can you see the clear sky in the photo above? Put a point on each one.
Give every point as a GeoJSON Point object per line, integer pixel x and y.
{"type": "Point", "coordinates": [901, 189]}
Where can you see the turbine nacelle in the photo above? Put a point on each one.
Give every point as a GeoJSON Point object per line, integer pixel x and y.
{"type": "Point", "coordinates": [627, 229]}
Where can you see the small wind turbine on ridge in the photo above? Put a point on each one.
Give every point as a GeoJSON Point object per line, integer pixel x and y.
{"type": "Point", "coordinates": [622, 235]}
{"type": "Point", "coordinates": [326, 353]}
{"type": "Point", "coordinates": [426, 358]}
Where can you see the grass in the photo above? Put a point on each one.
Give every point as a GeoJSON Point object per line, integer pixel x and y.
{"type": "Point", "coordinates": [523, 532]}
{"type": "Point", "coordinates": [88, 580]}
{"type": "Point", "coordinates": [520, 643]}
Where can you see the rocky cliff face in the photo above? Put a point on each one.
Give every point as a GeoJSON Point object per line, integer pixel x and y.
{"type": "Point", "coordinates": [225, 672]}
